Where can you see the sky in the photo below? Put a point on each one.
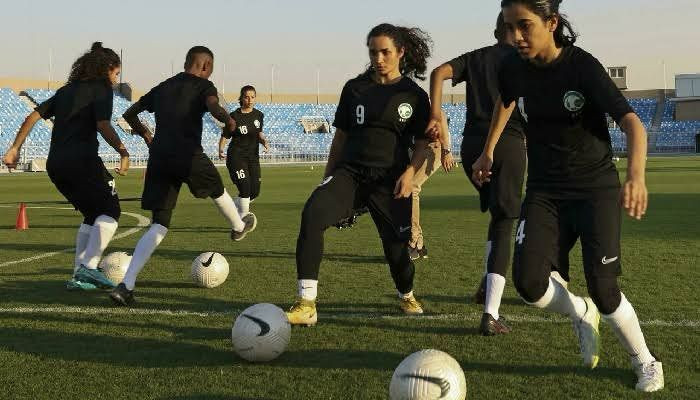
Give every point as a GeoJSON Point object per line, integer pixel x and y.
{"type": "Point", "coordinates": [316, 45]}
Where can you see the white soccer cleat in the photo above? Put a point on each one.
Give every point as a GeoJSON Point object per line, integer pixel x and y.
{"type": "Point", "coordinates": [588, 335]}
{"type": "Point", "coordinates": [650, 376]}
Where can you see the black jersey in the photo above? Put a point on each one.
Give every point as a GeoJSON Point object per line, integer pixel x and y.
{"type": "Point", "coordinates": [564, 105]}
{"type": "Point", "coordinates": [479, 69]}
{"type": "Point", "coordinates": [244, 140]}
{"type": "Point", "coordinates": [381, 121]}
{"type": "Point", "coordinates": [76, 108]}
{"type": "Point", "coordinates": [179, 104]}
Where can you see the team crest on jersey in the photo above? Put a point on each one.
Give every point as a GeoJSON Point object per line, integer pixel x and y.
{"type": "Point", "coordinates": [574, 101]}
{"type": "Point", "coordinates": [256, 123]}
{"type": "Point", "coordinates": [405, 111]}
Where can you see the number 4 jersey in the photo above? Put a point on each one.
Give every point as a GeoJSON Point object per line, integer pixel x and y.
{"type": "Point", "coordinates": [381, 121]}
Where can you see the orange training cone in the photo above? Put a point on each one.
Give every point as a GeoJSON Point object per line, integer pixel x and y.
{"type": "Point", "coordinates": [22, 220]}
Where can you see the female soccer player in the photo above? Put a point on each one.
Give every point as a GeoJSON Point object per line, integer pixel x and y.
{"type": "Point", "coordinates": [242, 158]}
{"type": "Point", "coordinates": [80, 109]}
{"type": "Point", "coordinates": [573, 188]}
{"type": "Point", "coordinates": [379, 116]}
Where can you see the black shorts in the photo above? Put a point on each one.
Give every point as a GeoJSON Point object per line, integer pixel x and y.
{"type": "Point", "coordinates": [245, 174]}
{"type": "Point", "coordinates": [88, 186]}
{"type": "Point", "coordinates": [502, 195]}
{"type": "Point", "coordinates": [351, 188]}
{"type": "Point", "coordinates": [164, 177]}
{"type": "Point", "coordinates": [548, 229]}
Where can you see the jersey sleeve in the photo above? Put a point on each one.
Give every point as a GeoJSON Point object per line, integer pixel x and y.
{"type": "Point", "coordinates": [262, 121]}
{"type": "Point", "coordinates": [225, 132]}
{"type": "Point", "coordinates": [602, 90]}
{"type": "Point", "coordinates": [147, 100]}
{"type": "Point", "coordinates": [421, 116]}
{"type": "Point", "coordinates": [47, 109]}
{"type": "Point", "coordinates": [508, 77]}
{"type": "Point", "coordinates": [209, 90]}
{"type": "Point", "coordinates": [342, 113]}
{"type": "Point", "coordinates": [102, 105]}
{"type": "Point", "coordinates": [460, 72]}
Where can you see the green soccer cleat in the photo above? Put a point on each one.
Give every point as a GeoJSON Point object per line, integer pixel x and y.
{"type": "Point", "coordinates": [94, 276]}
{"type": "Point", "coordinates": [586, 330]}
{"type": "Point", "coordinates": [76, 285]}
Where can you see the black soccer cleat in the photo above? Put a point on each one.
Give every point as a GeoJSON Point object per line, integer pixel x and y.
{"type": "Point", "coordinates": [251, 222]}
{"type": "Point", "coordinates": [491, 327]}
{"type": "Point", "coordinates": [423, 252]}
{"type": "Point", "coordinates": [122, 296]}
{"type": "Point", "coordinates": [480, 295]}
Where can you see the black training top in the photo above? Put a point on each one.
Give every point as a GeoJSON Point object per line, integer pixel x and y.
{"type": "Point", "coordinates": [479, 69]}
{"type": "Point", "coordinates": [179, 104]}
{"type": "Point", "coordinates": [381, 121]}
{"type": "Point", "coordinates": [564, 105]}
{"type": "Point", "coordinates": [76, 108]}
{"type": "Point", "coordinates": [244, 140]}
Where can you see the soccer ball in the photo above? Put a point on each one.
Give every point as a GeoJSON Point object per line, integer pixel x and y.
{"type": "Point", "coordinates": [209, 270]}
{"type": "Point", "coordinates": [114, 266]}
{"type": "Point", "coordinates": [261, 333]}
{"type": "Point", "coordinates": [428, 374]}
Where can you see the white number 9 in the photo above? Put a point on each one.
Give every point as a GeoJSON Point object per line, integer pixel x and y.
{"type": "Point", "coordinates": [360, 112]}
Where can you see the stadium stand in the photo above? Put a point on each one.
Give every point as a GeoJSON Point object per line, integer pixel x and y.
{"type": "Point", "coordinates": [676, 136]}
{"type": "Point", "coordinates": [13, 111]}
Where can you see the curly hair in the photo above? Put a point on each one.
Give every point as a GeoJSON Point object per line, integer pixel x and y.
{"type": "Point", "coordinates": [416, 44]}
{"type": "Point", "coordinates": [564, 35]}
{"type": "Point", "coordinates": [94, 64]}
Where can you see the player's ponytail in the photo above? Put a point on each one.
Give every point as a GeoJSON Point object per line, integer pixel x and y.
{"type": "Point", "coordinates": [95, 64]}
{"type": "Point", "coordinates": [564, 35]}
{"type": "Point", "coordinates": [416, 44]}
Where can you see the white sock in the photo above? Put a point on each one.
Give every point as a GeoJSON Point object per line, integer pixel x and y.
{"type": "Point", "coordinates": [494, 292]}
{"type": "Point", "coordinates": [244, 205]}
{"type": "Point", "coordinates": [144, 248]}
{"type": "Point", "coordinates": [487, 254]}
{"type": "Point", "coordinates": [559, 300]}
{"type": "Point", "coordinates": [80, 244]}
{"type": "Point", "coordinates": [228, 209]}
{"type": "Point", "coordinates": [406, 295]}
{"type": "Point", "coordinates": [100, 235]}
{"type": "Point", "coordinates": [625, 324]}
{"type": "Point", "coordinates": [557, 277]}
{"type": "Point", "coordinates": [308, 289]}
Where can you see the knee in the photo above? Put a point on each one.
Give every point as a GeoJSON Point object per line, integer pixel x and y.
{"type": "Point", "coordinates": [527, 279]}
{"type": "Point", "coordinates": [605, 293]}
{"type": "Point", "coordinates": [311, 217]}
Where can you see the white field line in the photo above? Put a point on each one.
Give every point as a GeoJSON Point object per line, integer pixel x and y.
{"type": "Point", "coordinates": [474, 317]}
{"type": "Point", "coordinates": [142, 223]}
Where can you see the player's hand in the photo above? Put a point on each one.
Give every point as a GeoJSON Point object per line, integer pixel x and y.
{"type": "Point", "coordinates": [222, 154]}
{"type": "Point", "coordinates": [148, 138]}
{"type": "Point", "coordinates": [266, 147]}
{"type": "Point", "coordinates": [448, 162]}
{"type": "Point", "coordinates": [635, 198]}
{"type": "Point", "coordinates": [404, 186]}
{"type": "Point", "coordinates": [123, 165]}
{"type": "Point", "coordinates": [433, 129]}
{"type": "Point", "coordinates": [481, 169]}
{"type": "Point", "coordinates": [11, 158]}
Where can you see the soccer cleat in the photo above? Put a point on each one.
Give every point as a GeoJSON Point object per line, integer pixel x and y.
{"type": "Point", "coordinates": [410, 305]}
{"type": "Point", "coordinates": [650, 376]}
{"type": "Point", "coordinates": [423, 252]}
{"type": "Point", "coordinates": [491, 327]}
{"type": "Point", "coordinates": [75, 285]}
{"type": "Point", "coordinates": [94, 276]}
{"type": "Point", "coordinates": [122, 296]}
{"type": "Point", "coordinates": [251, 222]}
{"type": "Point", "coordinates": [480, 295]}
{"type": "Point", "coordinates": [413, 253]}
{"type": "Point", "coordinates": [586, 329]}
{"type": "Point", "coordinates": [303, 312]}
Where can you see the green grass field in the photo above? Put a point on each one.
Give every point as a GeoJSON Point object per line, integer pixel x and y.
{"type": "Point", "coordinates": [175, 344]}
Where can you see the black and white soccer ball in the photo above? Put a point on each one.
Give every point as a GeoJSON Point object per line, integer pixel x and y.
{"type": "Point", "coordinates": [428, 374]}
{"type": "Point", "coordinates": [261, 333]}
{"type": "Point", "coordinates": [114, 265]}
{"type": "Point", "coordinates": [209, 270]}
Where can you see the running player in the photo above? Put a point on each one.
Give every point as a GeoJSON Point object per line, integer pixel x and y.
{"type": "Point", "coordinates": [176, 157]}
{"type": "Point", "coordinates": [501, 197]}
{"type": "Point", "coordinates": [79, 110]}
{"type": "Point", "coordinates": [243, 157]}
{"type": "Point", "coordinates": [379, 116]}
{"type": "Point", "coordinates": [573, 188]}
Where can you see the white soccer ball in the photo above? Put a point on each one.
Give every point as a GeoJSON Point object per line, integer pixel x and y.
{"type": "Point", "coordinates": [428, 374]}
{"type": "Point", "coordinates": [114, 266]}
{"type": "Point", "coordinates": [209, 270]}
{"type": "Point", "coordinates": [261, 333]}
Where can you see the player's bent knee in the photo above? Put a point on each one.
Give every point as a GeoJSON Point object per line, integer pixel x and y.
{"type": "Point", "coordinates": [530, 284]}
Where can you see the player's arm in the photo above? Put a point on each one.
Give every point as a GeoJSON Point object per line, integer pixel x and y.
{"type": "Point", "coordinates": [446, 157]}
{"type": "Point", "coordinates": [336, 151]}
{"type": "Point", "coordinates": [110, 136]}
{"type": "Point", "coordinates": [482, 167]}
{"type": "Point", "coordinates": [220, 113]}
{"type": "Point", "coordinates": [12, 155]}
{"type": "Point", "coordinates": [634, 195]}
{"type": "Point", "coordinates": [437, 77]}
{"type": "Point", "coordinates": [131, 116]}
{"type": "Point", "coordinates": [222, 146]}
{"type": "Point", "coordinates": [262, 139]}
{"type": "Point", "coordinates": [404, 185]}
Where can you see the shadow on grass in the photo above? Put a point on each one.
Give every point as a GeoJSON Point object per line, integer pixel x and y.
{"type": "Point", "coordinates": [199, 396]}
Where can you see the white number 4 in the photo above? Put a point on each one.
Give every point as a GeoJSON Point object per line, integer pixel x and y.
{"type": "Point", "coordinates": [520, 233]}
{"type": "Point", "coordinates": [360, 112]}
{"type": "Point", "coordinates": [240, 174]}
{"type": "Point", "coordinates": [113, 186]}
